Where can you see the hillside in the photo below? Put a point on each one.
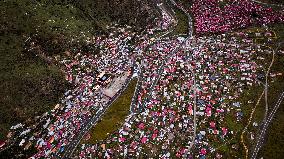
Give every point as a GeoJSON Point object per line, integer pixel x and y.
{"type": "Point", "coordinates": [31, 83]}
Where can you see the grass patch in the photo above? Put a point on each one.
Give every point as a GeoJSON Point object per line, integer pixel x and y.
{"type": "Point", "coordinates": [232, 123]}
{"type": "Point", "coordinates": [114, 116]}
{"type": "Point", "coordinates": [182, 26]}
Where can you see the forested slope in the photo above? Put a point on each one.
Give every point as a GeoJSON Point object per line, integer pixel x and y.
{"type": "Point", "coordinates": [33, 30]}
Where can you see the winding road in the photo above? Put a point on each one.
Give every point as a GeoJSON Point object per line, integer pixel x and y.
{"type": "Point", "coordinates": [267, 120]}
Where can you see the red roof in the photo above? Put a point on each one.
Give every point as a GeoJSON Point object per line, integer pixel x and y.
{"type": "Point", "coordinates": [2, 143]}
